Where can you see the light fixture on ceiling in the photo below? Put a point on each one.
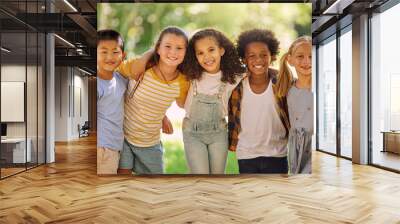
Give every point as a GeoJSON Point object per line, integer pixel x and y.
{"type": "Point", "coordinates": [84, 71]}
{"type": "Point", "coordinates": [337, 7]}
{"type": "Point", "coordinates": [5, 49]}
{"type": "Point", "coordinates": [65, 41]}
{"type": "Point", "coordinates": [78, 44]}
{"type": "Point", "coordinates": [70, 5]}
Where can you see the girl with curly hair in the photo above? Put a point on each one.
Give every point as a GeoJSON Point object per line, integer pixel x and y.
{"type": "Point", "coordinates": [213, 67]}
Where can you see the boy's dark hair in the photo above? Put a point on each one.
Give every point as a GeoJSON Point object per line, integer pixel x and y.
{"type": "Point", "coordinates": [230, 62]}
{"type": "Point", "coordinates": [154, 59]}
{"type": "Point", "coordinates": [258, 35]}
{"type": "Point", "coordinates": [109, 34]}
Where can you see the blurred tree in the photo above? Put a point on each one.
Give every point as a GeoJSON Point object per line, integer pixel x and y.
{"type": "Point", "coordinates": [140, 23]}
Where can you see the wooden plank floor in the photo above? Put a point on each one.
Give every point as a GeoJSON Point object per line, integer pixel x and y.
{"type": "Point", "coordinates": [10, 171]}
{"type": "Point", "coordinates": [70, 192]}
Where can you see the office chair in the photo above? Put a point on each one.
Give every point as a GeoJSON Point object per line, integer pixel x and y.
{"type": "Point", "coordinates": [84, 130]}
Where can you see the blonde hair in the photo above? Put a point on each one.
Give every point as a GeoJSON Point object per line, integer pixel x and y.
{"type": "Point", "coordinates": [285, 76]}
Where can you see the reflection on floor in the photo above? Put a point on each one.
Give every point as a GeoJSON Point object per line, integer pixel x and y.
{"type": "Point", "coordinates": [346, 152]}
{"type": "Point", "coordinates": [386, 159]}
{"type": "Point", "coordinates": [10, 169]}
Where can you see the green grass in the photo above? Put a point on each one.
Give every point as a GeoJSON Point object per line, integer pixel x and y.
{"type": "Point", "coordinates": [175, 161]}
{"type": "Point", "coordinates": [174, 158]}
{"type": "Point", "coordinates": [232, 164]}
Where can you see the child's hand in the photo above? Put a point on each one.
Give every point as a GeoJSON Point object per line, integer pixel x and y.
{"type": "Point", "coordinates": [167, 126]}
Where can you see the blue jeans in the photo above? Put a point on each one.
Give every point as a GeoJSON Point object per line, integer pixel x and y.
{"type": "Point", "coordinates": [142, 160]}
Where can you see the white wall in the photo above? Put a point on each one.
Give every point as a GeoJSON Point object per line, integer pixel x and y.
{"type": "Point", "coordinates": [61, 103]}
{"type": "Point", "coordinates": [69, 84]}
{"type": "Point", "coordinates": [80, 115]}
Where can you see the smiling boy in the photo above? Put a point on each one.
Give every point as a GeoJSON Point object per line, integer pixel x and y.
{"type": "Point", "coordinates": [111, 87]}
{"type": "Point", "coordinates": [257, 120]}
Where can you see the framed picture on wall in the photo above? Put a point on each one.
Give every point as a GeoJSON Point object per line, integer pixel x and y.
{"type": "Point", "coordinates": [186, 94]}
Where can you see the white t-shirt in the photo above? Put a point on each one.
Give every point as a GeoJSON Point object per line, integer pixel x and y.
{"type": "Point", "coordinates": [262, 132]}
{"type": "Point", "coordinates": [209, 84]}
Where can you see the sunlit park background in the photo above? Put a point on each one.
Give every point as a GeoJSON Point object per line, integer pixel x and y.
{"type": "Point", "coordinates": [140, 24]}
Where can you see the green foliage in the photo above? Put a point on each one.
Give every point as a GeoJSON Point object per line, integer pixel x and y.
{"type": "Point", "coordinates": [140, 23]}
{"type": "Point", "coordinates": [174, 158]}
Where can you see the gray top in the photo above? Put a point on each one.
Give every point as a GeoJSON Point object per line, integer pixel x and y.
{"type": "Point", "coordinates": [110, 111]}
{"type": "Point", "coordinates": [301, 108]}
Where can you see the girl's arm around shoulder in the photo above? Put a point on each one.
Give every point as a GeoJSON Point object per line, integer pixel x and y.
{"type": "Point", "coordinates": [184, 88]}
{"type": "Point", "coordinates": [133, 68]}
{"type": "Point", "coordinates": [238, 79]}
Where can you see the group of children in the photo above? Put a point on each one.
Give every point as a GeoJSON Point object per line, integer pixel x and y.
{"type": "Point", "coordinates": [270, 115]}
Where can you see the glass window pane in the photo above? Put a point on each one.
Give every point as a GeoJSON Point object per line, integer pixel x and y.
{"type": "Point", "coordinates": [31, 97]}
{"type": "Point", "coordinates": [13, 85]}
{"type": "Point", "coordinates": [41, 99]}
{"type": "Point", "coordinates": [314, 88]}
{"type": "Point", "coordinates": [23, 85]}
{"type": "Point", "coordinates": [327, 96]}
{"type": "Point", "coordinates": [346, 94]}
{"type": "Point", "coordinates": [385, 84]}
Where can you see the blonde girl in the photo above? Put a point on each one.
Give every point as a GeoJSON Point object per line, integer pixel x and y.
{"type": "Point", "coordinates": [300, 103]}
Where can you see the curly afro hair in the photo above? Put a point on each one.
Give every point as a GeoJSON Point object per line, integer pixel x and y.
{"type": "Point", "coordinates": [230, 61]}
{"type": "Point", "coordinates": [258, 35]}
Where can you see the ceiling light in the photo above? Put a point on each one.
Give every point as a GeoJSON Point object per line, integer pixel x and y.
{"type": "Point", "coordinates": [5, 49]}
{"type": "Point", "coordinates": [70, 5]}
{"type": "Point", "coordinates": [64, 40]}
{"type": "Point", "coordinates": [84, 71]}
{"type": "Point", "coordinates": [337, 7]}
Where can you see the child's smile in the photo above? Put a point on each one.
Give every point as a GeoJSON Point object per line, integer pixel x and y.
{"type": "Point", "coordinates": [258, 68]}
{"type": "Point", "coordinates": [109, 55]}
{"type": "Point", "coordinates": [208, 54]}
{"type": "Point", "coordinates": [301, 59]}
{"type": "Point", "coordinates": [257, 58]}
{"type": "Point", "coordinates": [172, 49]}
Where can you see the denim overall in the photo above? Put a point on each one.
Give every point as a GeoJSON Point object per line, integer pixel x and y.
{"type": "Point", "coordinates": [205, 133]}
